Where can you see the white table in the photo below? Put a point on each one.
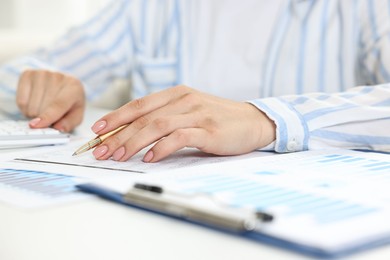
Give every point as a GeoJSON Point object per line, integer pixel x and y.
{"type": "Point", "coordinates": [97, 229]}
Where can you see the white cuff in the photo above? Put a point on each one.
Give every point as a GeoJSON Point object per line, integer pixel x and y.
{"type": "Point", "coordinates": [292, 132]}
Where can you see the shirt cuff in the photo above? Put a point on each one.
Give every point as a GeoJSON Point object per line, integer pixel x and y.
{"type": "Point", "coordinates": [292, 132]}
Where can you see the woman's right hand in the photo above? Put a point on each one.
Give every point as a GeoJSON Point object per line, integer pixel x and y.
{"type": "Point", "coordinates": [51, 99]}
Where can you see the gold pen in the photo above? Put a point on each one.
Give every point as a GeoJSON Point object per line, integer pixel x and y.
{"type": "Point", "coordinates": [97, 140]}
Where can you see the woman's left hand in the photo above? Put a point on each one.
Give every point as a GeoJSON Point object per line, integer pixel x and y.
{"type": "Point", "coordinates": [183, 117]}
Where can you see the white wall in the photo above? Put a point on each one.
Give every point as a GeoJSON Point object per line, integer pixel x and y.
{"type": "Point", "coordinates": [28, 24]}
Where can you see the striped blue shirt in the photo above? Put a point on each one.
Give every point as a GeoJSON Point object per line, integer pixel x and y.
{"type": "Point", "coordinates": [318, 68]}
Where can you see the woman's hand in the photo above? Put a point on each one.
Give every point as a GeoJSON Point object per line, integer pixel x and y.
{"type": "Point", "coordinates": [51, 98]}
{"type": "Point", "coordinates": [183, 117]}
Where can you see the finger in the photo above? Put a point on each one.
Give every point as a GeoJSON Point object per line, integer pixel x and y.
{"type": "Point", "coordinates": [133, 141]}
{"type": "Point", "coordinates": [174, 108]}
{"type": "Point", "coordinates": [23, 91]}
{"type": "Point", "coordinates": [65, 101]}
{"type": "Point", "coordinates": [137, 108]}
{"type": "Point", "coordinates": [70, 120]}
{"type": "Point", "coordinates": [120, 138]}
{"type": "Point", "coordinates": [37, 90]}
{"type": "Point", "coordinates": [156, 117]}
{"type": "Point", "coordinates": [54, 83]}
{"type": "Point", "coordinates": [181, 138]}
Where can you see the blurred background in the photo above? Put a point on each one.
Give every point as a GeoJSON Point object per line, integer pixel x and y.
{"type": "Point", "coordinates": [26, 25]}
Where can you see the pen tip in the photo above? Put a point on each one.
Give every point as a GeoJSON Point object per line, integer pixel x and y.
{"type": "Point", "coordinates": [74, 154]}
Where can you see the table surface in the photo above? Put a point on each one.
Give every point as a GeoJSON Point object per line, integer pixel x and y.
{"type": "Point", "coordinates": [97, 229]}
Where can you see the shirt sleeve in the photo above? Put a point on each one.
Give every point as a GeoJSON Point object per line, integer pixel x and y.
{"type": "Point", "coordinates": [96, 52]}
{"type": "Point", "coordinates": [358, 118]}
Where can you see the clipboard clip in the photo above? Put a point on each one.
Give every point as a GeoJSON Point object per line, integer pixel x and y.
{"type": "Point", "coordinates": [180, 205]}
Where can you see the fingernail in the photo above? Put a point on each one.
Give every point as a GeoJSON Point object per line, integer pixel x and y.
{"type": "Point", "coordinates": [100, 151]}
{"type": "Point", "coordinates": [118, 154]}
{"type": "Point", "coordinates": [98, 126]}
{"type": "Point", "coordinates": [148, 156]}
{"type": "Point", "coordinates": [34, 121]}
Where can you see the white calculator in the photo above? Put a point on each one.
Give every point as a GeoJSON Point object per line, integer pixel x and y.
{"type": "Point", "coordinates": [17, 133]}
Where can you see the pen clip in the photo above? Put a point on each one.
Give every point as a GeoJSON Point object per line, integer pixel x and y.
{"type": "Point", "coordinates": [151, 188]}
{"type": "Point", "coordinates": [224, 216]}
{"type": "Point", "coordinates": [260, 215]}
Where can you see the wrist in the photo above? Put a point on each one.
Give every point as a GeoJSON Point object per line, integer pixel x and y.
{"type": "Point", "coordinates": [265, 128]}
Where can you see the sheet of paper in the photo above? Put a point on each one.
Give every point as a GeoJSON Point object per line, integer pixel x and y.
{"type": "Point", "coordinates": [62, 156]}
{"type": "Point", "coordinates": [35, 188]}
{"type": "Point", "coordinates": [328, 199]}
{"type": "Point", "coordinates": [32, 164]}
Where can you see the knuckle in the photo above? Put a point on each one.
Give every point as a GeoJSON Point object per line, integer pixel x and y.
{"type": "Point", "coordinates": [114, 142]}
{"type": "Point", "coordinates": [71, 80]}
{"type": "Point", "coordinates": [209, 123]}
{"type": "Point", "coordinates": [45, 72]}
{"type": "Point", "coordinates": [161, 124]}
{"type": "Point", "coordinates": [180, 89]}
{"type": "Point", "coordinates": [28, 73]}
{"type": "Point", "coordinates": [138, 103]}
{"type": "Point", "coordinates": [141, 122]}
{"type": "Point", "coordinates": [182, 136]}
{"type": "Point", "coordinates": [42, 75]}
{"type": "Point", "coordinates": [77, 86]}
{"type": "Point", "coordinates": [57, 76]}
{"type": "Point", "coordinates": [191, 99]}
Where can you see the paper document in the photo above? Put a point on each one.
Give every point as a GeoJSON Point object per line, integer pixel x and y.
{"type": "Point", "coordinates": [327, 201]}
{"type": "Point", "coordinates": [183, 158]}
{"type": "Point", "coordinates": [45, 176]}
{"type": "Point", "coordinates": [35, 188]}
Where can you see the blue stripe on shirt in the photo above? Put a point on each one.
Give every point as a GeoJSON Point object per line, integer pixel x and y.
{"type": "Point", "coordinates": [274, 52]}
{"type": "Point", "coordinates": [104, 68]}
{"type": "Point", "coordinates": [351, 138]}
{"type": "Point", "coordinates": [323, 111]}
{"type": "Point", "coordinates": [11, 70]}
{"type": "Point", "coordinates": [362, 91]}
{"type": "Point", "coordinates": [164, 36]}
{"type": "Point", "coordinates": [299, 101]}
{"type": "Point", "coordinates": [341, 50]}
{"type": "Point", "coordinates": [375, 38]}
{"type": "Point", "coordinates": [323, 97]}
{"type": "Point", "coordinates": [323, 45]}
{"type": "Point", "coordinates": [95, 53]}
{"type": "Point", "coordinates": [302, 49]}
{"type": "Point", "coordinates": [179, 53]}
{"type": "Point", "coordinates": [86, 37]}
{"type": "Point", "coordinates": [7, 89]}
{"type": "Point", "coordinates": [143, 23]}
{"type": "Point", "coordinates": [100, 87]}
{"type": "Point", "coordinates": [383, 103]}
